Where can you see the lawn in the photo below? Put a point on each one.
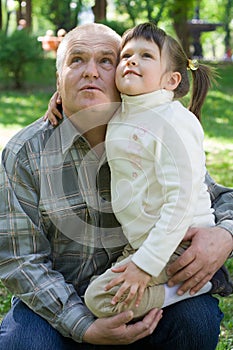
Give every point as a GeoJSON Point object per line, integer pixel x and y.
{"type": "Point", "coordinates": [19, 108]}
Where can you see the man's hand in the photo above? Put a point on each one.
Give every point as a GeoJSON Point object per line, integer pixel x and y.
{"type": "Point", "coordinates": [53, 112]}
{"type": "Point", "coordinates": [209, 249]}
{"type": "Point", "coordinates": [115, 330]}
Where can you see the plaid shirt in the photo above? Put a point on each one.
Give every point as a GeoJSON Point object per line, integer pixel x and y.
{"type": "Point", "coordinates": [56, 224]}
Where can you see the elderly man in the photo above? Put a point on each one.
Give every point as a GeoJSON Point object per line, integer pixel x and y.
{"type": "Point", "coordinates": [58, 230]}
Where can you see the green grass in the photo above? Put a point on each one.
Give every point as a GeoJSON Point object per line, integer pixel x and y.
{"type": "Point", "coordinates": [19, 108]}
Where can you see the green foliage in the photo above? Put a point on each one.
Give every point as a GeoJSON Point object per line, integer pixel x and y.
{"type": "Point", "coordinates": [5, 300]}
{"type": "Point", "coordinates": [119, 27]}
{"type": "Point", "coordinates": [16, 51]}
{"type": "Point", "coordinates": [62, 14]}
{"type": "Point", "coordinates": [146, 10]}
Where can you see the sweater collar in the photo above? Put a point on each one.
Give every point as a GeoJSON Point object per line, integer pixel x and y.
{"type": "Point", "coordinates": [149, 100]}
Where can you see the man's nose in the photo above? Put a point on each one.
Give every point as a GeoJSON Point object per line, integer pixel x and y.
{"type": "Point", "coordinates": [91, 70]}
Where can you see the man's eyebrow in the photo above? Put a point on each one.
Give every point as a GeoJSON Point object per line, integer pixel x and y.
{"type": "Point", "coordinates": [108, 52]}
{"type": "Point", "coordinates": [77, 52]}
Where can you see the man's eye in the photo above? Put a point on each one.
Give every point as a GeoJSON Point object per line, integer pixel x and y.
{"type": "Point", "coordinates": [76, 60]}
{"type": "Point", "coordinates": [106, 60]}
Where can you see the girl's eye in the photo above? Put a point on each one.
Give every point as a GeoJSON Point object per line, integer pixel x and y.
{"type": "Point", "coordinates": [125, 56]}
{"type": "Point", "coordinates": [147, 55]}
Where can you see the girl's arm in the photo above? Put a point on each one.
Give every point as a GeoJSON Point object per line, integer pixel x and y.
{"type": "Point", "coordinates": [54, 109]}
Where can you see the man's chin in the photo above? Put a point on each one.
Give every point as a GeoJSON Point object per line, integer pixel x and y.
{"type": "Point", "coordinates": [96, 112]}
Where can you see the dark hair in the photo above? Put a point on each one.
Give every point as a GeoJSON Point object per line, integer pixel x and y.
{"type": "Point", "coordinates": [178, 62]}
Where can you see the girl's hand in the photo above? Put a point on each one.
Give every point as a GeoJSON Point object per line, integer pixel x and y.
{"type": "Point", "coordinates": [53, 111]}
{"type": "Point", "coordinates": [133, 281]}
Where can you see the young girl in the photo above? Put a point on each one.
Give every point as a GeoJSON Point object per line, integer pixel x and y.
{"type": "Point", "coordinates": [155, 151]}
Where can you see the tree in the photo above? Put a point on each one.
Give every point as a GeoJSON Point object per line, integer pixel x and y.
{"type": "Point", "coordinates": [0, 14]}
{"type": "Point", "coordinates": [150, 10]}
{"type": "Point", "coordinates": [146, 10]}
{"type": "Point", "coordinates": [100, 10]}
{"type": "Point", "coordinates": [16, 51]}
{"type": "Point", "coordinates": [28, 15]}
{"type": "Point", "coordinates": [180, 12]}
{"type": "Point", "coordinates": [24, 12]}
{"type": "Point", "coordinates": [228, 17]}
{"type": "Point", "coordinates": [63, 14]}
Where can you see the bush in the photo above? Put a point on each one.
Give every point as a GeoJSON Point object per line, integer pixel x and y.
{"type": "Point", "coordinates": [16, 51]}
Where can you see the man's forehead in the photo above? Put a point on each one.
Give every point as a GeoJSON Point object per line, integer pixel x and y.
{"type": "Point", "coordinates": [100, 46]}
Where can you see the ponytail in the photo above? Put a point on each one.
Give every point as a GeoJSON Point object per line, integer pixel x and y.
{"type": "Point", "coordinates": [202, 78]}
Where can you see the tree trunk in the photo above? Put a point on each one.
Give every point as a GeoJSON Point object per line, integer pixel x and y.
{"type": "Point", "coordinates": [100, 10]}
{"type": "Point", "coordinates": [28, 15]}
{"type": "Point", "coordinates": [0, 14]}
{"type": "Point", "coordinates": [180, 23]}
{"type": "Point", "coordinates": [19, 13]}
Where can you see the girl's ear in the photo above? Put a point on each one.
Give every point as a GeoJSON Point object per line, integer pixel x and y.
{"type": "Point", "coordinates": [172, 80]}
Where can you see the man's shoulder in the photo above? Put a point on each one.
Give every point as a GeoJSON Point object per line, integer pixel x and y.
{"type": "Point", "coordinates": [34, 134]}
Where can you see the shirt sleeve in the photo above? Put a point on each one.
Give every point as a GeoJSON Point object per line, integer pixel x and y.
{"type": "Point", "coordinates": [25, 265]}
{"type": "Point", "coordinates": [222, 202]}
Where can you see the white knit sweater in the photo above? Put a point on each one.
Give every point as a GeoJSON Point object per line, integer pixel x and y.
{"type": "Point", "coordinates": [155, 151]}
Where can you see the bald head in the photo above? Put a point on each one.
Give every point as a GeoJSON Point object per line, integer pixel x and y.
{"type": "Point", "coordinates": [97, 31]}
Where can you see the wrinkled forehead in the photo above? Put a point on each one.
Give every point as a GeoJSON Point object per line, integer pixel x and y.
{"type": "Point", "coordinates": [89, 38]}
{"type": "Point", "coordinates": [94, 43]}
{"type": "Point", "coordinates": [95, 40]}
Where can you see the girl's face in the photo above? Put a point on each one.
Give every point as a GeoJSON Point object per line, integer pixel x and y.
{"type": "Point", "coordinates": [142, 68]}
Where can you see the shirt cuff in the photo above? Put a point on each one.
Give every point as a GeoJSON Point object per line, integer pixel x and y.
{"type": "Point", "coordinates": [228, 226]}
{"type": "Point", "coordinates": [75, 327]}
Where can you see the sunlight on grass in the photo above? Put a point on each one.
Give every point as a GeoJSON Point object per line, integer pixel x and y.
{"type": "Point", "coordinates": [22, 109]}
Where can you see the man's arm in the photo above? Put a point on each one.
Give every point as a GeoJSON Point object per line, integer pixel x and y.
{"type": "Point", "coordinates": [25, 265]}
{"type": "Point", "coordinates": [222, 202]}
{"type": "Point", "coordinates": [27, 271]}
{"type": "Point", "coordinates": [210, 247]}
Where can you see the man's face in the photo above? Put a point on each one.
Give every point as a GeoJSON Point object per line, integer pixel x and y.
{"type": "Point", "coordinates": [88, 74]}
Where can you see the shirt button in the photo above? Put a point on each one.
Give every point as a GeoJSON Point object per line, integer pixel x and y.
{"type": "Point", "coordinates": [135, 137]}
{"type": "Point", "coordinates": [135, 175]}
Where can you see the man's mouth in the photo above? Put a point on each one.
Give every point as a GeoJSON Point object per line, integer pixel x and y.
{"type": "Point", "coordinates": [90, 87]}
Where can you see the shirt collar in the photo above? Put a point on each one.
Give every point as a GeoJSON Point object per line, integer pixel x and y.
{"type": "Point", "coordinates": [68, 133]}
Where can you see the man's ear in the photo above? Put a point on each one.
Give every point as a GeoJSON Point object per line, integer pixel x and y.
{"type": "Point", "coordinates": [172, 80]}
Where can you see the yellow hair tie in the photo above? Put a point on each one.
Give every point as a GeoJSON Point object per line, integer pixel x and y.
{"type": "Point", "coordinates": [193, 64]}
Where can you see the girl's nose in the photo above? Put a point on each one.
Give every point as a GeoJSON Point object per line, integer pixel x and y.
{"type": "Point", "coordinates": [132, 61]}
